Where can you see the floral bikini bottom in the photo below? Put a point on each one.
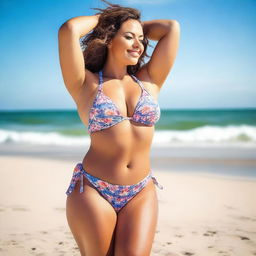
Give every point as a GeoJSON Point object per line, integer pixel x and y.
{"type": "Point", "coordinates": [117, 195]}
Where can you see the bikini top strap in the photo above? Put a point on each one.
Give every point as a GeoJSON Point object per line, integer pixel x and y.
{"type": "Point", "coordinates": [100, 80]}
{"type": "Point", "coordinates": [138, 81]}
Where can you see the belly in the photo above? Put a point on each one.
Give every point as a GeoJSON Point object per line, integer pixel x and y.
{"type": "Point", "coordinates": [120, 154]}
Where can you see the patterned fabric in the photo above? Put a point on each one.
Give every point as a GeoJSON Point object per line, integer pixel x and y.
{"type": "Point", "coordinates": [104, 112]}
{"type": "Point", "coordinates": [117, 195]}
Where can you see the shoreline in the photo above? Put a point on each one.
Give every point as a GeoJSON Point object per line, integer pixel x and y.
{"type": "Point", "coordinates": [223, 161]}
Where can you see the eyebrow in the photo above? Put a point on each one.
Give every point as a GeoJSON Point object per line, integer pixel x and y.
{"type": "Point", "coordinates": [134, 34]}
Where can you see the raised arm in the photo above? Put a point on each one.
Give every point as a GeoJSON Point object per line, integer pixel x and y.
{"type": "Point", "coordinates": [167, 33]}
{"type": "Point", "coordinates": [70, 52]}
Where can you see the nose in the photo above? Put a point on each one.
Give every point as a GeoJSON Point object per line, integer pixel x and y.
{"type": "Point", "coordinates": [137, 44]}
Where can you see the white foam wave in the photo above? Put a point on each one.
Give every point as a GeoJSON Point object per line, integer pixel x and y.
{"type": "Point", "coordinates": [243, 134]}
{"type": "Point", "coordinates": [212, 135]}
{"type": "Point", "coordinates": [50, 138]}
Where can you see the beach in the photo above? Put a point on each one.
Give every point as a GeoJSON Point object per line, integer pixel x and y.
{"type": "Point", "coordinates": [200, 213]}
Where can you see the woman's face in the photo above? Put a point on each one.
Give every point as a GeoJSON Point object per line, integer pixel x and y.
{"type": "Point", "coordinates": [126, 47]}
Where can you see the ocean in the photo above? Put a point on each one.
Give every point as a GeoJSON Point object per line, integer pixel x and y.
{"type": "Point", "coordinates": [175, 127]}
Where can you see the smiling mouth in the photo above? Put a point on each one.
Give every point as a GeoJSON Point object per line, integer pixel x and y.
{"type": "Point", "coordinates": [134, 53]}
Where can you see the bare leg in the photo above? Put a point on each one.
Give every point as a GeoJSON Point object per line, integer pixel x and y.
{"type": "Point", "coordinates": [136, 224]}
{"type": "Point", "coordinates": [92, 221]}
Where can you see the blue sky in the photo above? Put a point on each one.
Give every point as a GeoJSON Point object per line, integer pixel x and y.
{"type": "Point", "coordinates": [214, 68]}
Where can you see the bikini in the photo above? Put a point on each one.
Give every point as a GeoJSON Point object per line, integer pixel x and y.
{"type": "Point", "coordinates": [104, 114]}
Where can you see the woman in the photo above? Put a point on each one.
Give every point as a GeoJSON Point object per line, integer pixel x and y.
{"type": "Point", "coordinates": [112, 204]}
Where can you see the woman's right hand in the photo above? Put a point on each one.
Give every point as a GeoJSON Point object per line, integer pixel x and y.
{"type": "Point", "coordinates": [70, 52]}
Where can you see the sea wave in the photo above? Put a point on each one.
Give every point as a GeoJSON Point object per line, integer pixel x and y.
{"type": "Point", "coordinates": [49, 138]}
{"type": "Point", "coordinates": [210, 135]}
{"type": "Point", "coordinates": [243, 134]}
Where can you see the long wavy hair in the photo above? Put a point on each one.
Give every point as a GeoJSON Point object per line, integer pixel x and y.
{"type": "Point", "coordinates": [94, 44]}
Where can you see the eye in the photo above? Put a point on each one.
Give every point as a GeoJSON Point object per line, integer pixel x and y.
{"type": "Point", "coordinates": [129, 38]}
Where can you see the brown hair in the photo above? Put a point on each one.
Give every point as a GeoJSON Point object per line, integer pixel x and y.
{"type": "Point", "coordinates": [94, 44]}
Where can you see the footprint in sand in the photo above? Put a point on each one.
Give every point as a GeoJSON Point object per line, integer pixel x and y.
{"type": "Point", "coordinates": [210, 233]}
{"type": "Point", "coordinates": [244, 238]}
{"type": "Point", "coordinates": [14, 242]}
{"type": "Point", "coordinates": [223, 252]}
{"type": "Point", "coordinates": [188, 253]}
{"type": "Point", "coordinates": [43, 232]}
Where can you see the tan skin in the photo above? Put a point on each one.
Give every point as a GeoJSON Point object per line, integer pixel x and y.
{"type": "Point", "coordinates": [119, 154]}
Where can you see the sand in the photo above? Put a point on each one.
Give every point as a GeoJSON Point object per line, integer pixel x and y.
{"type": "Point", "coordinates": [199, 214]}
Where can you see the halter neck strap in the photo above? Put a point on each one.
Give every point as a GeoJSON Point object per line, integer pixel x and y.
{"type": "Point", "coordinates": [138, 81]}
{"type": "Point", "coordinates": [100, 79]}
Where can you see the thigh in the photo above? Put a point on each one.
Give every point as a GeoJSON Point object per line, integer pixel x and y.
{"type": "Point", "coordinates": [136, 223]}
{"type": "Point", "coordinates": [91, 219]}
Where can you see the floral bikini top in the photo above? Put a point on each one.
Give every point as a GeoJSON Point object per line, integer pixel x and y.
{"type": "Point", "coordinates": [104, 112]}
